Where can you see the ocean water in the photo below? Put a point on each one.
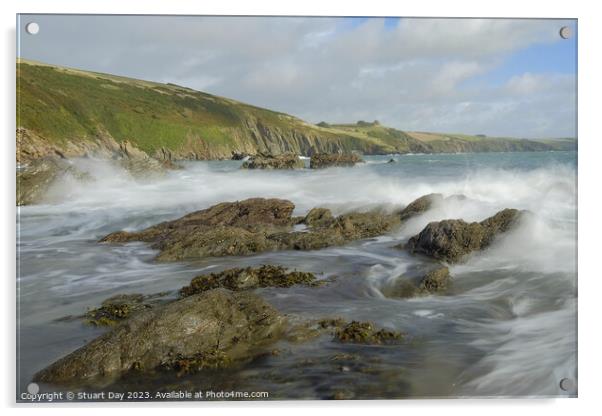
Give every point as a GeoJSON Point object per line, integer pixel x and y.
{"type": "Point", "coordinates": [507, 327]}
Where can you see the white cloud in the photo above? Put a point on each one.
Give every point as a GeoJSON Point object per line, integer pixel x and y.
{"type": "Point", "coordinates": [411, 76]}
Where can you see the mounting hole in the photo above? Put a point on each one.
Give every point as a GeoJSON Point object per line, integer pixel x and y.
{"type": "Point", "coordinates": [32, 28]}
{"type": "Point", "coordinates": [33, 388]}
{"type": "Point", "coordinates": [565, 32]}
{"type": "Point", "coordinates": [567, 385]}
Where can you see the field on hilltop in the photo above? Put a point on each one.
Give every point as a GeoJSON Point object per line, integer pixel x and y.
{"type": "Point", "coordinates": [65, 110]}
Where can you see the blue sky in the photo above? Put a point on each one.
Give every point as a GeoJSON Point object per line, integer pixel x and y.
{"type": "Point", "coordinates": [559, 57]}
{"type": "Point", "coordinates": [500, 77]}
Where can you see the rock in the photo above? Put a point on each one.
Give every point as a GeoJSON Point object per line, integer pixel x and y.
{"type": "Point", "coordinates": [420, 205]}
{"type": "Point", "coordinates": [313, 240]}
{"type": "Point", "coordinates": [238, 155]}
{"type": "Point", "coordinates": [253, 226]}
{"type": "Point", "coordinates": [319, 217]}
{"type": "Point", "coordinates": [198, 242]}
{"type": "Point", "coordinates": [366, 333]}
{"type": "Point", "coordinates": [402, 288]}
{"type": "Point", "coordinates": [137, 163]}
{"type": "Point", "coordinates": [336, 322]}
{"type": "Point", "coordinates": [359, 225]}
{"type": "Point", "coordinates": [119, 307]}
{"type": "Point", "coordinates": [434, 281]}
{"type": "Point", "coordinates": [392, 161]}
{"type": "Point", "coordinates": [248, 278]}
{"type": "Point", "coordinates": [283, 161]}
{"type": "Point", "coordinates": [34, 180]}
{"type": "Point", "coordinates": [326, 160]}
{"type": "Point", "coordinates": [216, 326]}
{"type": "Point", "coordinates": [451, 240]}
{"type": "Point", "coordinates": [230, 228]}
{"type": "Point", "coordinates": [115, 309]}
{"type": "Point", "coordinates": [246, 214]}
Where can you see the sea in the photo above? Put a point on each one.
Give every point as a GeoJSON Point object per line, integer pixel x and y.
{"type": "Point", "coordinates": [506, 328]}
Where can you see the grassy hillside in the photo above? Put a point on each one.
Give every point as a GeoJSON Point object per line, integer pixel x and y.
{"type": "Point", "coordinates": [67, 108]}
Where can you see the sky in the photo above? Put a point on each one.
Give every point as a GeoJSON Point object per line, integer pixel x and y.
{"type": "Point", "coordinates": [499, 77]}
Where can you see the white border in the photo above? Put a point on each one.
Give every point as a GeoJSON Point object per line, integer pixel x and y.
{"type": "Point", "coordinates": [590, 153]}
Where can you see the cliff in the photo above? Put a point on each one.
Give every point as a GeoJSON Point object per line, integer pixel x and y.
{"type": "Point", "coordinates": [73, 113]}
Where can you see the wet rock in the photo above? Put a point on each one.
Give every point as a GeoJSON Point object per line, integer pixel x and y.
{"type": "Point", "coordinates": [199, 242]}
{"type": "Point", "coordinates": [434, 281]}
{"type": "Point", "coordinates": [366, 333]}
{"type": "Point", "coordinates": [313, 240]}
{"type": "Point", "coordinates": [283, 161]}
{"type": "Point", "coordinates": [331, 322]}
{"type": "Point", "coordinates": [451, 240]}
{"type": "Point", "coordinates": [119, 307]}
{"type": "Point", "coordinates": [402, 288]}
{"type": "Point", "coordinates": [327, 160]}
{"type": "Point", "coordinates": [420, 205]}
{"type": "Point", "coordinates": [34, 180]}
{"type": "Point", "coordinates": [230, 228]}
{"type": "Point", "coordinates": [253, 226]}
{"type": "Point", "coordinates": [248, 278]}
{"type": "Point", "coordinates": [239, 155]}
{"type": "Point", "coordinates": [319, 217]}
{"type": "Point", "coordinates": [115, 309]}
{"type": "Point", "coordinates": [197, 362]}
{"type": "Point", "coordinates": [392, 161]}
{"type": "Point", "coordinates": [359, 225]}
{"type": "Point", "coordinates": [208, 326]}
{"type": "Point", "coordinates": [138, 163]}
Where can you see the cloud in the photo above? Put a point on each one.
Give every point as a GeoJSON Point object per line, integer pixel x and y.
{"type": "Point", "coordinates": [413, 75]}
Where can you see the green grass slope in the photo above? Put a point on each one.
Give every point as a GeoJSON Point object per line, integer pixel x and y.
{"type": "Point", "coordinates": [63, 107]}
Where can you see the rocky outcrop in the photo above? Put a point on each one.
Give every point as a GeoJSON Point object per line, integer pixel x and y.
{"type": "Point", "coordinates": [34, 179]}
{"type": "Point", "coordinates": [434, 281]}
{"type": "Point", "coordinates": [255, 225]}
{"type": "Point", "coordinates": [451, 240]}
{"type": "Point", "coordinates": [120, 307]}
{"type": "Point", "coordinates": [236, 155]}
{"type": "Point", "coordinates": [283, 161]}
{"type": "Point", "coordinates": [248, 278]}
{"type": "Point", "coordinates": [327, 160]}
{"type": "Point", "coordinates": [42, 162]}
{"type": "Point", "coordinates": [420, 206]}
{"type": "Point", "coordinates": [205, 329]}
{"type": "Point", "coordinates": [366, 333]}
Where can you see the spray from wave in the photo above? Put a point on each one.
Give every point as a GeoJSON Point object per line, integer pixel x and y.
{"type": "Point", "coordinates": [514, 302]}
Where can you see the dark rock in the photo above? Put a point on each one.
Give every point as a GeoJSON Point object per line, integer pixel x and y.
{"type": "Point", "coordinates": [119, 307]}
{"type": "Point", "coordinates": [283, 161]}
{"type": "Point", "coordinates": [253, 226]}
{"type": "Point", "coordinates": [319, 217]}
{"type": "Point", "coordinates": [420, 205]}
{"type": "Point", "coordinates": [115, 309]}
{"type": "Point", "coordinates": [34, 180]}
{"type": "Point", "coordinates": [217, 326]}
{"type": "Point", "coordinates": [230, 228]}
{"type": "Point", "coordinates": [239, 155]}
{"type": "Point", "coordinates": [436, 280]}
{"type": "Point", "coordinates": [451, 240]}
{"type": "Point", "coordinates": [402, 288]}
{"type": "Point", "coordinates": [392, 161]}
{"type": "Point", "coordinates": [248, 278]}
{"type": "Point", "coordinates": [331, 322]}
{"type": "Point", "coordinates": [326, 160]}
{"type": "Point", "coordinates": [366, 333]}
